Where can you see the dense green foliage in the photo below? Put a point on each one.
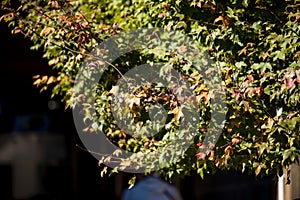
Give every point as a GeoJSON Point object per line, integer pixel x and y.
{"type": "Point", "coordinates": [254, 43]}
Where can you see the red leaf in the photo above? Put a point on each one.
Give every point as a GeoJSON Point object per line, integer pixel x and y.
{"type": "Point", "coordinates": [201, 156]}
{"type": "Point", "coordinates": [289, 83]}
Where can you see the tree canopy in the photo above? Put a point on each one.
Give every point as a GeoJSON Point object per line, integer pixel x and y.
{"type": "Point", "coordinates": [252, 45]}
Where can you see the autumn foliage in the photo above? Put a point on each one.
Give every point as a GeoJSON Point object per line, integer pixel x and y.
{"type": "Point", "coordinates": [255, 44]}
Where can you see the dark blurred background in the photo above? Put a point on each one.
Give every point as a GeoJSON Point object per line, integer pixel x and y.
{"type": "Point", "coordinates": [38, 154]}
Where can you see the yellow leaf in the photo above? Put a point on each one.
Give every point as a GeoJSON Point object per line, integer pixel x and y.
{"type": "Point", "coordinates": [257, 170]}
{"type": "Point", "coordinates": [51, 79]}
{"type": "Point", "coordinates": [141, 94]}
{"type": "Point", "coordinates": [68, 35]}
{"type": "Point", "coordinates": [131, 182]}
{"type": "Point", "coordinates": [200, 88]}
{"type": "Point", "coordinates": [104, 171]}
{"type": "Point", "coordinates": [37, 82]}
{"type": "Point", "coordinates": [196, 75]}
{"type": "Point", "coordinates": [117, 152]}
{"type": "Point", "coordinates": [44, 79]}
{"type": "Point", "coordinates": [268, 125]}
{"type": "Point", "coordinates": [36, 76]}
{"type": "Point", "coordinates": [46, 31]}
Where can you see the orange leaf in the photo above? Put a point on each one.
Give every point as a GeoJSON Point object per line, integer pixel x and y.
{"type": "Point", "coordinates": [51, 79]}
{"type": "Point", "coordinates": [220, 18]}
{"type": "Point", "coordinates": [177, 113]}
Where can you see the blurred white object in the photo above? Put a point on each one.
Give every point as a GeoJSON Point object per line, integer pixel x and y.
{"type": "Point", "coordinates": [280, 187]}
{"type": "Point", "coordinates": [152, 188]}
{"type": "Point", "coordinates": [279, 111]}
